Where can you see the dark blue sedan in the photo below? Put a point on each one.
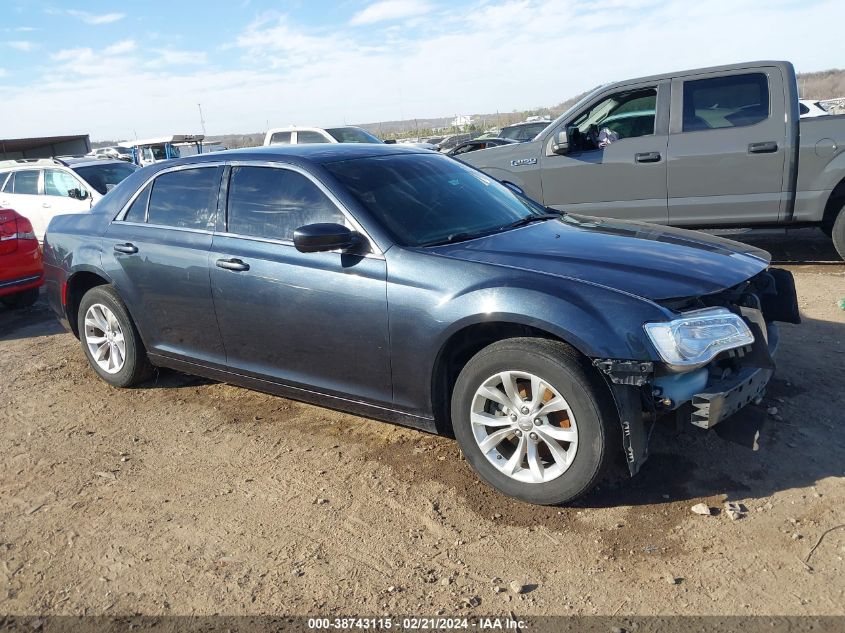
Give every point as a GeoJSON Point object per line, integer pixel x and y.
{"type": "Point", "coordinates": [402, 285]}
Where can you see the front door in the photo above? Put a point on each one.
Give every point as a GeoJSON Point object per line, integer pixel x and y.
{"type": "Point", "coordinates": [727, 149]}
{"type": "Point", "coordinates": [616, 163]}
{"type": "Point", "coordinates": [157, 255]}
{"type": "Point", "coordinates": [315, 321]}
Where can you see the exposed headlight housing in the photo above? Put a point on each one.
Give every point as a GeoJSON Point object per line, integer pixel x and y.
{"type": "Point", "coordinates": [698, 337]}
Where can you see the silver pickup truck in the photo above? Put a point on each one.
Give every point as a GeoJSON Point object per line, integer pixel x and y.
{"type": "Point", "coordinates": [715, 147]}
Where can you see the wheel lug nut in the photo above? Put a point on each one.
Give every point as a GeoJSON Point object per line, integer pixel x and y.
{"type": "Point", "coordinates": [538, 421]}
{"type": "Point", "coordinates": [519, 433]}
{"type": "Point", "coordinates": [524, 410]}
{"type": "Point", "coordinates": [513, 417]}
{"type": "Point", "coordinates": [533, 436]}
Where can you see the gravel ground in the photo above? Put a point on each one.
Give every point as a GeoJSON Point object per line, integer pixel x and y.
{"type": "Point", "coordinates": [186, 496]}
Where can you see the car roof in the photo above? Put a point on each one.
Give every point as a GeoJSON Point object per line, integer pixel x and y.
{"type": "Point", "coordinates": [315, 153]}
{"type": "Point", "coordinates": [58, 161]}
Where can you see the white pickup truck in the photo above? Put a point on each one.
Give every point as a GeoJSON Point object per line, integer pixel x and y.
{"type": "Point", "coordinates": [707, 148]}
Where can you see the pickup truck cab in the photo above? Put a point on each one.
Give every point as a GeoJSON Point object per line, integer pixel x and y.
{"type": "Point", "coordinates": [714, 147]}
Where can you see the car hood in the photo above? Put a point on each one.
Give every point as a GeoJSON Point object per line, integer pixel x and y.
{"type": "Point", "coordinates": [647, 260]}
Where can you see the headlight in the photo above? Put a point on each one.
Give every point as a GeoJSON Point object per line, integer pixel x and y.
{"type": "Point", "coordinates": [697, 337]}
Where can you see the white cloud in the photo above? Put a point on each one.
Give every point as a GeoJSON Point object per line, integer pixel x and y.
{"type": "Point", "coordinates": [388, 10]}
{"type": "Point", "coordinates": [95, 18]}
{"type": "Point", "coordinates": [3, 72]}
{"type": "Point", "coordinates": [121, 48]}
{"type": "Point", "coordinates": [497, 55]}
{"type": "Point", "coordinates": [21, 45]}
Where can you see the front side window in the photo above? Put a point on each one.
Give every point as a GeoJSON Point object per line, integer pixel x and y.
{"type": "Point", "coordinates": [280, 138]}
{"type": "Point", "coordinates": [186, 198]}
{"type": "Point", "coordinates": [626, 114]}
{"type": "Point", "coordinates": [272, 203]}
{"type": "Point", "coordinates": [59, 183]}
{"type": "Point", "coordinates": [720, 102]}
{"type": "Point", "coordinates": [310, 137]}
{"type": "Point", "coordinates": [159, 152]}
{"type": "Point", "coordinates": [427, 199]}
{"type": "Point", "coordinates": [107, 176]}
{"type": "Point", "coordinates": [26, 182]}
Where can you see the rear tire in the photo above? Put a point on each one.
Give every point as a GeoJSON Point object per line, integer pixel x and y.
{"type": "Point", "coordinates": [525, 463]}
{"type": "Point", "coordinates": [20, 300]}
{"type": "Point", "coordinates": [838, 233]}
{"type": "Point", "coordinates": [110, 339]}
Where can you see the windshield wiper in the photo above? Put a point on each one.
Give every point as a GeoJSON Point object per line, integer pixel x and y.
{"type": "Point", "coordinates": [528, 219]}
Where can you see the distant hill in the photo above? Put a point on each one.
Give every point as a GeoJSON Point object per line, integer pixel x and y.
{"type": "Point", "coordinates": [825, 84]}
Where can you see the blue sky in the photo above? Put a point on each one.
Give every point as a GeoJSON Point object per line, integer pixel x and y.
{"type": "Point", "coordinates": [115, 70]}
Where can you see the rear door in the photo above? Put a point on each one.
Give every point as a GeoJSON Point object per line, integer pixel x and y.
{"type": "Point", "coordinates": [728, 148]}
{"type": "Point", "coordinates": [23, 193]}
{"type": "Point", "coordinates": [157, 254]}
{"type": "Point", "coordinates": [625, 178]}
{"type": "Point", "coordinates": [308, 320]}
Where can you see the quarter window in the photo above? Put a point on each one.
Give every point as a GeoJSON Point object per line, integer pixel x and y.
{"type": "Point", "coordinates": [272, 203]}
{"type": "Point", "coordinates": [138, 211]}
{"type": "Point", "coordinates": [59, 183]}
{"type": "Point", "coordinates": [720, 102]}
{"type": "Point", "coordinates": [186, 198]}
{"type": "Point", "coordinates": [26, 182]}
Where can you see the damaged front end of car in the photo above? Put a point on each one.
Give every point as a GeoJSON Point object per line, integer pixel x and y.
{"type": "Point", "coordinates": [716, 356]}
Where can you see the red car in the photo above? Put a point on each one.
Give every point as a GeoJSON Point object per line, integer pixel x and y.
{"type": "Point", "coordinates": [21, 271]}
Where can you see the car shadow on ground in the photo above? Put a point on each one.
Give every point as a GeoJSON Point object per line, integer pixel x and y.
{"type": "Point", "coordinates": [790, 246]}
{"type": "Point", "coordinates": [37, 320]}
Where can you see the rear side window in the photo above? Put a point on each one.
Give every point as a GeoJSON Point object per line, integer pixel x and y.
{"type": "Point", "coordinates": [6, 185]}
{"type": "Point", "coordinates": [186, 198]}
{"type": "Point", "coordinates": [720, 102]}
{"type": "Point", "coordinates": [26, 182]}
{"type": "Point", "coordinates": [280, 138]}
{"type": "Point", "coordinates": [310, 137]}
{"type": "Point", "coordinates": [272, 203]}
{"type": "Point", "coordinates": [138, 211]}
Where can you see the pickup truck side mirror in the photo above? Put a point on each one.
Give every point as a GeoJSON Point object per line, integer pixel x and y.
{"type": "Point", "coordinates": [560, 144]}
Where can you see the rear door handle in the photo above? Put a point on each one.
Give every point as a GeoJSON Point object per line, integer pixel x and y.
{"type": "Point", "coordinates": [128, 248]}
{"type": "Point", "coordinates": [647, 157]}
{"type": "Point", "coordinates": [232, 264]}
{"type": "Point", "coordinates": [768, 147]}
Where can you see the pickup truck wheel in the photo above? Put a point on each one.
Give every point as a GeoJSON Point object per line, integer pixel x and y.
{"type": "Point", "coordinates": [110, 340]}
{"type": "Point", "coordinates": [838, 233]}
{"type": "Point", "coordinates": [20, 299]}
{"type": "Point", "coordinates": [532, 421]}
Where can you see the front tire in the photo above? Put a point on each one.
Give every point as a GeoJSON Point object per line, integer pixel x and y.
{"type": "Point", "coordinates": [20, 300]}
{"type": "Point", "coordinates": [110, 339]}
{"type": "Point", "coordinates": [533, 420]}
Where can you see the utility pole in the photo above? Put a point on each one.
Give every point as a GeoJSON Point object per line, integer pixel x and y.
{"type": "Point", "coordinates": [202, 120]}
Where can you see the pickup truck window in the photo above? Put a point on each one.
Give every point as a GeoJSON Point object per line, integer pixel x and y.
{"type": "Point", "coordinates": [272, 203]}
{"type": "Point", "coordinates": [186, 198]}
{"type": "Point", "coordinates": [280, 138]}
{"type": "Point", "coordinates": [308, 136]}
{"type": "Point", "coordinates": [720, 102]}
{"type": "Point", "coordinates": [629, 114]}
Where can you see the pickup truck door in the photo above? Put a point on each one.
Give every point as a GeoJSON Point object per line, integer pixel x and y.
{"type": "Point", "coordinates": [625, 179]}
{"type": "Point", "coordinates": [728, 145]}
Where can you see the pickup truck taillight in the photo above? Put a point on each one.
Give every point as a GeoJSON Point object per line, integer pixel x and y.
{"type": "Point", "coordinates": [13, 228]}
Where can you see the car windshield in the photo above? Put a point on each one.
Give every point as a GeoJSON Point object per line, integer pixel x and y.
{"type": "Point", "coordinates": [352, 135]}
{"type": "Point", "coordinates": [429, 199]}
{"type": "Point", "coordinates": [105, 177]}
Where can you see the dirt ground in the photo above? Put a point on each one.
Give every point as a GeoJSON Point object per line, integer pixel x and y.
{"type": "Point", "coordinates": [187, 496]}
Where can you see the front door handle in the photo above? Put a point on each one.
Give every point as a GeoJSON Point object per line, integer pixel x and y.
{"type": "Point", "coordinates": [232, 264]}
{"type": "Point", "coordinates": [128, 248]}
{"type": "Point", "coordinates": [647, 157]}
{"type": "Point", "coordinates": [769, 147]}
{"type": "Point", "coordinates": [46, 205]}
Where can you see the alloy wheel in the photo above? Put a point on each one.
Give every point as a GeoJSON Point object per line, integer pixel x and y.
{"type": "Point", "coordinates": [524, 426]}
{"type": "Point", "coordinates": [104, 338]}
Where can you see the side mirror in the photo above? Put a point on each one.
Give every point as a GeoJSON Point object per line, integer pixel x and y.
{"type": "Point", "coordinates": [77, 194]}
{"type": "Point", "coordinates": [390, 141]}
{"type": "Point", "coordinates": [323, 236]}
{"type": "Point", "coordinates": [561, 142]}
